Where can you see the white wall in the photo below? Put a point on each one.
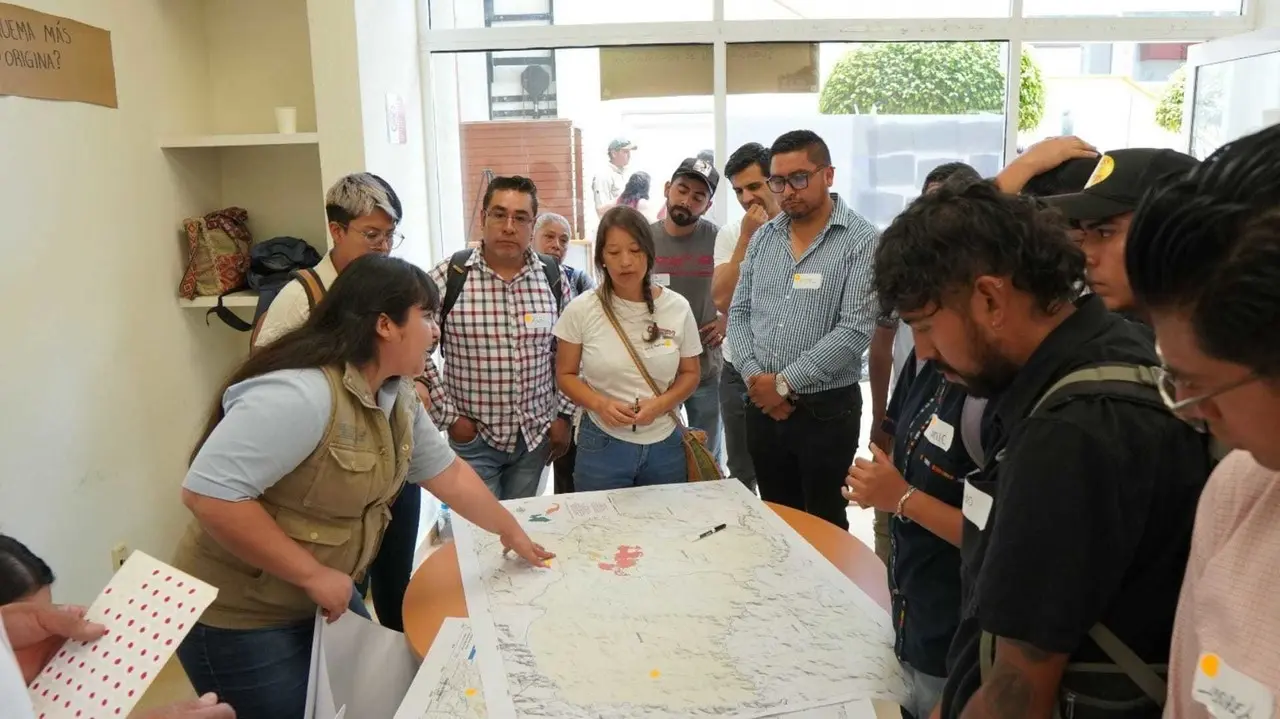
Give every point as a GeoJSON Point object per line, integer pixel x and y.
{"type": "Point", "coordinates": [106, 379]}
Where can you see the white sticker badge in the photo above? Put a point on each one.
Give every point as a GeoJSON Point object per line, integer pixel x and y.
{"type": "Point", "coordinates": [977, 505]}
{"type": "Point", "coordinates": [662, 279]}
{"type": "Point", "coordinates": [806, 281]}
{"type": "Point", "coordinates": [538, 320]}
{"type": "Point", "coordinates": [940, 433]}
{"type": "Point", "coordinates": [1228, 693]}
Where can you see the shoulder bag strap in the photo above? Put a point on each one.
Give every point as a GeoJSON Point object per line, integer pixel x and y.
{"type": "Point", "coordinates": [635, 357]}
{"type": "Point", "coordinates": [311, 285]}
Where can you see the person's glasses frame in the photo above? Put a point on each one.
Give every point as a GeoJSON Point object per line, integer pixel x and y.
{"type": "Point", "coordinates": [1167, 385]}
{"type": "Point", "coordinates": [798, 180]}
{"type": "Point", "coordinates": [499, 216]}
{"type": "Point", "coordinates": [377, 238]}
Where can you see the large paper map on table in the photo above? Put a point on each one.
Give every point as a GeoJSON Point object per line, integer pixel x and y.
{"type": "Point", "coordinates": [635, 618]}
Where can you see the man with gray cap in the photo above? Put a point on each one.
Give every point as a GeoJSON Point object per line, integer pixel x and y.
{"type": "Point", "coordinates": [608, 185]}
{"type": "Point", "coordinates": [684, 244]}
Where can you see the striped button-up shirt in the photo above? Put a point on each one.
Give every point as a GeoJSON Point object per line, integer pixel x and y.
{"type": "Point", "coordinates": [499, 354]}
{"type": "Point", "coordinates": [809, 319]}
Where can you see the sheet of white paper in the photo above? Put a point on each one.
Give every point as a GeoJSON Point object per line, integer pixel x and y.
{"type": "Point", "coordinates": [861, 709]}
{"type": "Point", "coordinates": [634, 621]}
{"type": "Point", "coordinates": [448, 684]}
{"type": "Point", "coordinates": [359, 667]}
{"type": "Point", "coordinates": [148, 608]}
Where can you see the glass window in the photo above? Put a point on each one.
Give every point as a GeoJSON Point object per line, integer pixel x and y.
{"type": "Point", "coordinates": [1112, 95]}
{"type": "Point", "coordinates": [455, 14]}
{"type": "Point", "coordinates": [553, 115]}
{"type": "Point", "coordinates": [861, 9]}
{"type": "Point", "coordinates": [1232, 99]}
{"type": "Point", "coordinates": [889, 112]}
{"type": "Point", "coordinates": [1129, 8]}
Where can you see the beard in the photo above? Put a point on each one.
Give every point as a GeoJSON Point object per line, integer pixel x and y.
{"type": "Point", "coordinates": [996, 371]}
{"type": "Point", "coordinates": [681, 216]}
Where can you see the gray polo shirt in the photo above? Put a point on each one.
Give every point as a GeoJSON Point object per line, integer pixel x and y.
{"type": "Point", "coordinates": [686, 265]}
{"type": "Point", "coordinates": [275, 421]}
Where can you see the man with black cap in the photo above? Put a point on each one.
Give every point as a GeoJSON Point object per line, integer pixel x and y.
{"type": "Point", "coordinates": [1104, 209]}
{"type": "Point", "coordinates": [685, 244]}
{"type": "Point", "coordinates": [608, 185]}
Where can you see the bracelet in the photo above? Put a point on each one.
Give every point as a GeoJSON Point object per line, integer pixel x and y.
{"type": "Point", "coordinates": [902, 503]}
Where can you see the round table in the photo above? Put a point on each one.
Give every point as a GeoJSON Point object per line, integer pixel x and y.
{"type": "Point", "coordinates": [435, 591]}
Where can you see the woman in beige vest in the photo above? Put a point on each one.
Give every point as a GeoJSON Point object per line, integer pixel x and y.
{"type": "Point", "coordinates": [311, 441]}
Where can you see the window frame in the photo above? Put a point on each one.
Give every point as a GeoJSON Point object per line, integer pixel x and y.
{"type": "Point", "coordinates": [1016, 30]}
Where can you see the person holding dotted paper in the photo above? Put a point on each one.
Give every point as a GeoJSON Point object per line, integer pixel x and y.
{"type": "Point", "coordinates": [309, 444]}
{"type": "Point", "coordinates": [627, 436]}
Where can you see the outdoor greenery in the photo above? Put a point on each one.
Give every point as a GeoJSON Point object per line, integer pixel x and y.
{"type": "Point", "coordinates": [929, 78]}
{"type": "Point", "coordinates": [1169, 109]}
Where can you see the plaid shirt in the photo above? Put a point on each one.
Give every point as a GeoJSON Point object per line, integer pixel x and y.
{"type": "Point", "coordinates": [499, 355]}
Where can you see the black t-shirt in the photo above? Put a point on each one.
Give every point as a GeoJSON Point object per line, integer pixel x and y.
{"type": "Point", "coordinates": [924, 569]}
{"type": "Point", "coordinates": [1094, 502]}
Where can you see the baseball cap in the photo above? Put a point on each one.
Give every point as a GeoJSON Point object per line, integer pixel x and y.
{"type": "Point", "coordinates": [701, 169]}
{"type": "Point", "coordinates": [1119, 180]}
{"type": "Point", "coordinates": [1069, 177]}
{"type": "Point", "coordinates": [621, 143]}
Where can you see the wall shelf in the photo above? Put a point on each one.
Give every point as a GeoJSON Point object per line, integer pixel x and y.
{"type": "Point", "coordinates": [248, 140]}
{"type": "Point", "coordinates": [243, 298]}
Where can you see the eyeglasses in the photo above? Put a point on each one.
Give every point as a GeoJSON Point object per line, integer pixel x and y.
{"type": "Point", "coordinates": [797, 180]}
{"type": "Point", "coordinates": [378, 238]}
{"type": "Point", "coordinates": [1167, 384]}
{"type": "Point", "coordinates": [500, 217]}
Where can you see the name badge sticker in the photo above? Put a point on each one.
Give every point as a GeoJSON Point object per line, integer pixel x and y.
{"type": "Point", "coordinates": [940, 433]}
{"type": "Point", "coordinates": [806, 281]}
{"type": "Point", "coordinates": [662, 279]}
{"type": "Point", "coordinates": [1228, 693]}
{"type": "Point", "coordinates": [538, 320]}
{"type": "Point", "coordinates": [662, 347]}
{"type": "Point", "coordinates": [977, 505]}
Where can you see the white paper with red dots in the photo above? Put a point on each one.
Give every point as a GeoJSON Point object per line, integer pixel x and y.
{"type": "Point", "coordinates": [147, 608]}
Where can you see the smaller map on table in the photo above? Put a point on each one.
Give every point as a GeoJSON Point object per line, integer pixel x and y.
{"type": "Point", "coordinates": [447, 685]}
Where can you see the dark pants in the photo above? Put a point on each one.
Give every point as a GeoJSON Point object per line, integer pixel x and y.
{"type": "Point", "coordinates": [261, 673]}
{"type": "Point", "coordinates": [802, 461]}
{"type": "Point", "coordinates": [733, 409]}
{"type": "Point", "coordinates": [389, 572]}
{"type": "Point", "coordinates": [563, 469]}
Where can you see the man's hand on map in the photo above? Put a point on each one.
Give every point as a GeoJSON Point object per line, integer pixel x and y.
{"type": "Point", "coordinates": [516, 540]}
{"type": "Point", "coordinates": [875, 483]}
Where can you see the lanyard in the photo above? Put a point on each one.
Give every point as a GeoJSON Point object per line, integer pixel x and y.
{"type": "Point", "coordinates": [930, 408]}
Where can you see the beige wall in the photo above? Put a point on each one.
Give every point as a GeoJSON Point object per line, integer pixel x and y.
{"type": "Point", "coordinates": [106, 378]}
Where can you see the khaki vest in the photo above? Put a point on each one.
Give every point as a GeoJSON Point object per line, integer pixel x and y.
{"type": "Point", "coordinates": [335, 504]}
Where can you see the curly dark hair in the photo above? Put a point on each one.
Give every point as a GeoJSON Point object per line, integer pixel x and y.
{"type": "Point", "coordinates": [1208, 244]}
{"type": "Point", "coordinates": [946, 239]}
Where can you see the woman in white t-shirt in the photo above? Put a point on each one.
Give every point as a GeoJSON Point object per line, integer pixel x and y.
{"type": "Point", "coordinates": [627, 436]}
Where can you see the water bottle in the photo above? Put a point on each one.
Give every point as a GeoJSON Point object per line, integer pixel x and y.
{"type": "Point", "coordinates": [444, 523]}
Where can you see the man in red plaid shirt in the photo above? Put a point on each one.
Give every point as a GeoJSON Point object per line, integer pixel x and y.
{"type": "Point", "coordinates": [497, 393]}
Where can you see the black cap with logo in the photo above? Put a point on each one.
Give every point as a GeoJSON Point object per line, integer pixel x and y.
{"type": "Point", "coordinates": [699, 168]}
{"type": "Point", "coordinates": [1118, 182]}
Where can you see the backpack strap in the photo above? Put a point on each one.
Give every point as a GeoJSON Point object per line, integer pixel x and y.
{"type": "Point", "coordinates": [971, 428]}
{"type": "Point", "coordinates": [1126, 381]}
{"type": "Point", "coordinates": [311, 284]}
{"type": "Point", "coordinates": [555, 279]}
{"type": "Point", "coordinates": [231, 319]}
{"type": "Point", "coordinates": [455, 278]}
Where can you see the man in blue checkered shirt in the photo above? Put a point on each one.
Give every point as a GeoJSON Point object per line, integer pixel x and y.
{"type": "Point", "coordinates": [801, 319]}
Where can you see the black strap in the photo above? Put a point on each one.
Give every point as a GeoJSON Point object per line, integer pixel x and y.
{"type": "Point", "coordinates": [456, 277]}
{"type": "Point", "coordinates": [226, 315]}
{"type": "Point", "coordinates": [311, 285]}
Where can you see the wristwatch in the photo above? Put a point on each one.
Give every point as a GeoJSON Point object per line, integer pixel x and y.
{"type": "Point", "coordinates": [780, 384]}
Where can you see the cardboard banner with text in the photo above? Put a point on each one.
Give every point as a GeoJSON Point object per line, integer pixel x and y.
{"type": "Point", "coordinates": [54, 58]}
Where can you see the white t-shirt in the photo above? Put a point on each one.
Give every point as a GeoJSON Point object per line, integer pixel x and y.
{"type": "Point", "coordinates": [726, 243]}
{"type": "Point", "coordinates": [290, 308]}
{"type": "Point", "coordinates": [14, 700]}
{"type": "Point", "coordinates": [607, 366]}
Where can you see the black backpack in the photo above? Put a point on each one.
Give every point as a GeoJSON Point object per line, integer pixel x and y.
{"type": "Point", "coordinates": [457, 277]}
{"type": "Point", "coordinates": [272, 265]}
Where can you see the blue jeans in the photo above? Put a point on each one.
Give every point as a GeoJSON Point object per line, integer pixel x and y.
{"type": "Point", "coordinates": [606, 462]}
{"type": "Point", "coordinates": [261, 673]}
{"type": "Point", "coordinates": [926, 693]}
{"type": "Point", "coordinates": [733, 411]}
{"type": "Point", "coordinates": [703, 408]}
{"type": "Point", "coordinates": [509, 475]}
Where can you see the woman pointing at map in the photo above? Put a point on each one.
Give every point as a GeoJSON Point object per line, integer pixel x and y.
{"type": "Point", "coordinates": [628, 354]}
{"type": "Point", "coordinates": [310, 442]}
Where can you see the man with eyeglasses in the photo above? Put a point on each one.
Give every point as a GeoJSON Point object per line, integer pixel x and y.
{"type": "Point", "coordinates": [363, 212]}
{"type": "Point", "coordinates": [496, 395]}
{"type": "Point", "coordinates": [1078, 525]}
{"type": "Point", "coordinates": [685, 244]}
{"type": "Point", "coordinates": [800, 320]}
{"type": "Point", "coordinates": [1203, 256]}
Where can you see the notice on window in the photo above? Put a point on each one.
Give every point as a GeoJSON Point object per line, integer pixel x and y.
{"type": "Point", "coordinates": [54, 58]}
